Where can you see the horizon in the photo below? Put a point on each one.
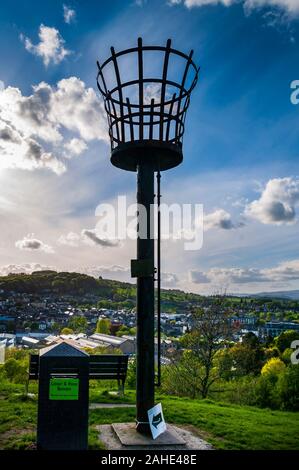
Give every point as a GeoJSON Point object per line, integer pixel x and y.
{"type": "Point", "coordinates": [270, 294]}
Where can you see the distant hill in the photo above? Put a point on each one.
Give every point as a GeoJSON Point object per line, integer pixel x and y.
{"type": "Point", "coordinates": [284, 294]}
{"type": "Point", "coordinates": [108, 292]}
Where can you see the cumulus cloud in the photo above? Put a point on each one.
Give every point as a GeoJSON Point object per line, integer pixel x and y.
{"type": "Point", "coordinates": [51, 46]}
{"type": "Point", "coordinates": [27, 123]}
{"type": "Point", "coordinates": [75, 146]}
{"type": "Point", "coordinates": [169, 279]}
{"type": "Point", "coordinates": [29, 243]}
{"type": "Point", "coordinates": [283, 272]}
{"type": "Point", "coordinates": [114, 271]}
{"type": "Point", "coordinates": [219, 219]}
{"type": "Point", "coordinates": [70, 239]}
{"type": "Point", "coordinates": [198, 277]}
{"type": "Point", "coordinates": [69, 14]}
{"type": "Point", "coordinates": [88, 237]}
{"type": "Point", "coordinates": [291, 7]}
{"type": "Point", "coordinates": [277, 202]}
{"type": "Point", "coordinates": [26, 268]}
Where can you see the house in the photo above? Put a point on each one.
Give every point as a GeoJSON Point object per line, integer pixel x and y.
{"type": "Point", "coordinates": [30, 342]}
{"type": "Point", "coordinates": [126, 345]}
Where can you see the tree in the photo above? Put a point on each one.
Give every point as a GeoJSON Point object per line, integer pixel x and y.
{"type": "Point", "coordinates": [103, 326]}
{"type": "Point", "coordinates": [285, 339]}
{"type": "Point", "coordinates": [246, 357]}
{"type": "Point", "coordinates": [288, 386]}
{"type": "Point", "coordinates": [17, 371]}
{"type": "Point", "coordinates": [67, 331]}
{"type": "Point", "coordinates": [210, 331]}
{"type": "Point", "coordinates": [78, 324]}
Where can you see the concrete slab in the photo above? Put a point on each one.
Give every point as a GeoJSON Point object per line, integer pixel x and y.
{"type": "Point", "coordinates": [128, 436]}
{"type": "Point", "coordinates": [192, 441]}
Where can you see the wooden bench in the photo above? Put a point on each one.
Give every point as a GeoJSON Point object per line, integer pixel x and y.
{"type": "Point", "coordinates": [101, 367]}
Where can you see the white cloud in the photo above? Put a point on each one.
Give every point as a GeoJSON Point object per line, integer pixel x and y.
{"type": "Point", "coordinates": [289, 6]}
{"type": "Point", "coordinates": [29, 243]}
{"type": "Point", "coordinates": [51, 46]}
{"type": "Point", "coordinates": [283, 272]}
{"type": "Point", "coordinates": [115, 271]}
{"type": "Point", "coordinates": [75, 146]}
{"type": "Point", "coordinates": [219, 219]}
{"type": "Point", "coordinates": [71, 239]}
{"type": "Point", "coordinates": [78, 108]}
{"type": "Point", "coordinates": [69, 14]}
{"type": "Point", "coordinates": [277, 202]}
{"type": "Point", "coordinates": [88, 237]}
{"type": "Point", "coordinates": [200, 3]}
{"type": "Point", "coordinates": [28, 122]}
{"type": "Point", "coordinates": [198, 277]}
{"type": "Point", "coordinates": [26, 268]}
{"type": "Point", "coordinates": [169, 279]}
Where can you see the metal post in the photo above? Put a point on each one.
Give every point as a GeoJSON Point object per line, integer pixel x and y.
{"type": "Point", "coordinates": [145, 387]}
{"type": "Point", "coordinates": [159, 278]}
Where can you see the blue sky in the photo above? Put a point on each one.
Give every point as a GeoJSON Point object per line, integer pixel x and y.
{"type": "Point", "coordinates": [240, 146]}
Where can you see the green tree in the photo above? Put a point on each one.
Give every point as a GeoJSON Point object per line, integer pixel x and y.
{"type": "Point", "coordinates": [288, 388]}
{"type": "Point", "coordinates": [78, 324]}
{"type": "Point", "coordinates": [211, 330]}
{"type": "Point", "coordinates": [17, 372]}
{"type": "Point", "coordinates": [103, 326]}
{"type": "Point", "coordinates": [246, 359]}
{"type": "Point", "coordinates": [284, 340]}
{"type": "Point", "coordinates": [66, 331]}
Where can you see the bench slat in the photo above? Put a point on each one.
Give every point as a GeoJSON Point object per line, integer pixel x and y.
{"type": "Point", "coordinates": [101, 367]}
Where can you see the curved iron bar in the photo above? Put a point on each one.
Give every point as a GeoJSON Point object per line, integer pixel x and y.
{"type": "Point", "coordinates": [123, 114]}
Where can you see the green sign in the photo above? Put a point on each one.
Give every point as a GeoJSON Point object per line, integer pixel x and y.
{"type": "Point", "coordinates": [64, 389]}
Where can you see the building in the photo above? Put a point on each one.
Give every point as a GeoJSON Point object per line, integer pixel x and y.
{"type": "Point", "coordinates": [273, 328]}
{"type": "Point", "coordinates": [126, 345]}
{"type": "Point", "coordinates": [7, 340]}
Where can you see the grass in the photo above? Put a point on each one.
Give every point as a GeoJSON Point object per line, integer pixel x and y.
{"type": "Point", "coordinates": [225, 426]}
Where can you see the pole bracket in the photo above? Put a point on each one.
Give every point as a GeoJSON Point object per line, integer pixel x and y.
{"type": "Point", "coordinates": [142, 268]}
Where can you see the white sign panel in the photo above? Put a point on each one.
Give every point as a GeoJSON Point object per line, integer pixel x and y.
{"type": "Point", "coordinates": [156, 420]}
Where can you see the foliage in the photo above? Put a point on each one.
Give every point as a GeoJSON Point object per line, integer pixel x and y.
{"type": "Point", "coordinates": [67, 331]}
{"type": "Point", "coordinates": [274, 366]}
{"type": "Point", "coordinates": [78, 324]}
{"type": "Point", "coordinates": [284, 340]}
{"type": "Point", "coordinates": [225, 426]}
{"type": "Point", "coordinates": [209, 333]}
{"type": "Point", "coordinates": [131, 374]}
{"type": "Point", "coordinates": [288, 388]}
{"type": "Point", "coordinates": [103, 326]}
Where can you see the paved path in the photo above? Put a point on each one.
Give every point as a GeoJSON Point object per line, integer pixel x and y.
{"type": "Point", "coordinates": [94, 406]}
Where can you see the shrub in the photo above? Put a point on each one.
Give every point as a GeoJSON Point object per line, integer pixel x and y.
{"type": "Point", "coordinates": [288, 388]}
{"type": "Point", "coordinates": [273, 367]}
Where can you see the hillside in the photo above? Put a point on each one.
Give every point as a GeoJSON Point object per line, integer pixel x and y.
{"type": "Point", "coordinates": [223, 425]}
{"type": "Point", "coordinates": [80, 285]}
